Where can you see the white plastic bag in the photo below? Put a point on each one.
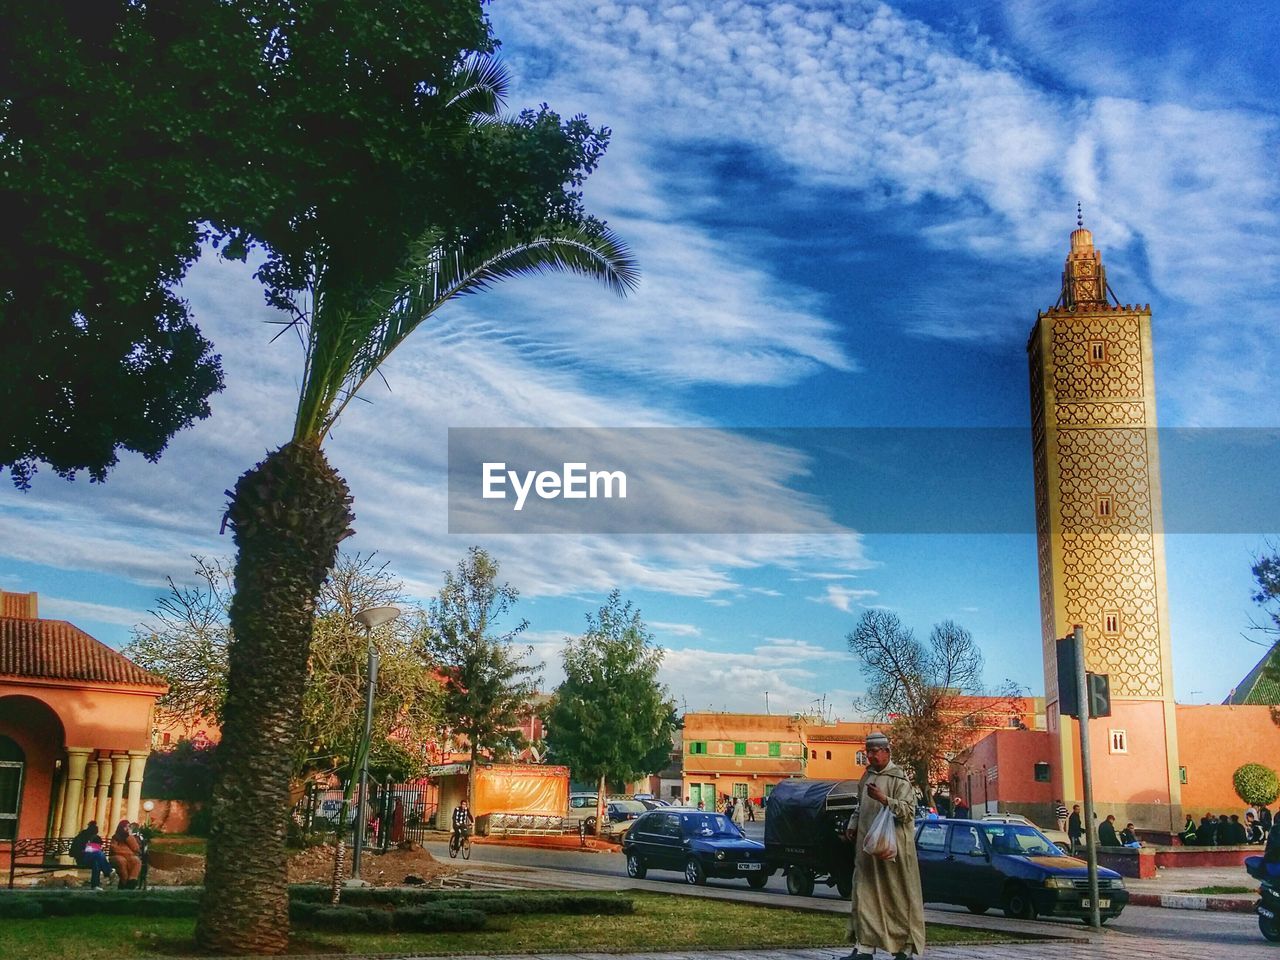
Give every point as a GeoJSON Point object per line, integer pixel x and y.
{"type": "Point", "coordinates": [882, 839]}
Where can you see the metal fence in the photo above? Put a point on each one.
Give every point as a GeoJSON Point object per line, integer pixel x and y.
{"type": "Point", "coordinates": [321, 811]}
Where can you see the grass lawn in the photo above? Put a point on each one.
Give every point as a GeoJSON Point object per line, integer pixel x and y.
{"type": "Point", "coordinates": [661, 922]}
{"type": "Point", "coordinates": [1212, 890]}
{"type": "Point", "coordinates": [180, 843]}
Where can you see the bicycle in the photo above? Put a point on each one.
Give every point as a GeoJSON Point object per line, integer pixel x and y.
{"type": "Point", "coordinates": [460, 843]}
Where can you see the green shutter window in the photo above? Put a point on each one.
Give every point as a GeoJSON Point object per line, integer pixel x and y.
{"type": "Point", "coordinates": [739, 749]}
{"type": "Point", "coordinates": [697, 746]}
{"type": "Point", "coordinates": [775, 749]}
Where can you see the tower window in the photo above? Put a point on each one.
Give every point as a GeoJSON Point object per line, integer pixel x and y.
{"type": "Point", "coordinates": [1182, 775]}
{"type": "Point", "coordinates": [1111, 622]}
{"type": "Point", "coordinates": [1102, 507]}
{"type": "Point", "coordinates": [1097, 351]}
{"type": "Point", "coordinates": [828, 754]}
{"type": "Point", "coordinates": [860, 758]}
{"type": "Point", "coordinates": [1119, 742]}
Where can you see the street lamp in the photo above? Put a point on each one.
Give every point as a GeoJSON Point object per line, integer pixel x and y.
{"type": "Point", "coordinates": [369, 618]}
{"type": "Point", "coordinates": [148, 806]}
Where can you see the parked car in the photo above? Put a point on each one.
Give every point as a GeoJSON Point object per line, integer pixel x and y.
{"type": "Point", "coordinates": [698, 843]}
{"type": "Point", "coordinates": [582, 806]}
{"type": "Point", "coordinates": [1057, 836]}
{"type": "Point", "coordinates": [981, 864]}
{"type": "Point", "coordinates": [804, 833]}
{"type": "Point", "coordinates": [620, 813]}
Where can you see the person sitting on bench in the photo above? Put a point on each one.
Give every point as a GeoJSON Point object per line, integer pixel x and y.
{"type": "Point", "coordinates": [126, 856]}
{"type": "Point", "coordinates": [86, 851]}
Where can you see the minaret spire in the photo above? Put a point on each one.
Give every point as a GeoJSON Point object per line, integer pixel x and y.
{"type": "Point", "coordinates": [1084, 279]}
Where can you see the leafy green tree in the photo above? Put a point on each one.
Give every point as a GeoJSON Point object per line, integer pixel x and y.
{"type": "Point", "coordinates": [1256, 785]}
{"type": "Point", "coordinates": [1266, 574]}
{"type": "Point", "coordinates": [342, 140]}
{"type": "Point", "coordinates": [186, 642]}
{"type": "Point", "coordinates": [611, 719]}
{"type": "Point", "coordinates": [488, 681]}
{"type": "Point", "coordinates": [932, 695]}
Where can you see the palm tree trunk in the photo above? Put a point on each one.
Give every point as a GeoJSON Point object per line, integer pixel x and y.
{"type": "Point", "coordinates": [289, 514]}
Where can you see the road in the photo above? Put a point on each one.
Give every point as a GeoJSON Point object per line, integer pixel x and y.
{"type": "Point", "coordinates": [1190, 932]}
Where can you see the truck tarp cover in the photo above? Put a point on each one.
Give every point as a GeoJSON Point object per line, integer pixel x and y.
{"type": "Point", "coordinates": [542, 791]}
{"type": "Point", "coordinates": [797, 812]}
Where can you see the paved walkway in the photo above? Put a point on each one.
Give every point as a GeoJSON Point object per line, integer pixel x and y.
{"type": "Point", "coordinates": [1169, 888]}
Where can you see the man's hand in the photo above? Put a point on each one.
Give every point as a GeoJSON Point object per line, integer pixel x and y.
{"type": "Point", "coordinates": [875, 793]}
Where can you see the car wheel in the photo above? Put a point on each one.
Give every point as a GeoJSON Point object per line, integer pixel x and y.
{"type": "Point", "coordinates": [978, 908]}
{"type": "Point", "coordinates": [844, 885]}
{"type": "Point", "coordinates": [635, 867]}
{"type": "Point", "coordinates": [1269, 929]}
{"type": "Point", "coordinates": [591, 824]}
{"type": "Point", "coordinates": [693, 872]}
{"type": "Point", "coordinates": [1018, 904]}
{"type": "Point", "coordinates": [756, 881]}
{"type": "Point", "coordinates": [799, 882]}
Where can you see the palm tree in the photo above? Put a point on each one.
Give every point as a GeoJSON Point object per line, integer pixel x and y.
{"type": "Point", "coordinates": [290, 512]}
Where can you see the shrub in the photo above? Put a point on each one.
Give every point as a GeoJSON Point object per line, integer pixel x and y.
{"type": "Point", "coordinates": [1256, 785]}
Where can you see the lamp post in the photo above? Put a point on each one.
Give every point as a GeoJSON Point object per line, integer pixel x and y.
{"type": "Point", "coordinates": [148, 806]}
{"type": "Point", "coordinates": [369, 618]}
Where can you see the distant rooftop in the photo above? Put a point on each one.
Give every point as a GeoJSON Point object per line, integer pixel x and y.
{"type": "Point", "coordinates": [1259, 687]}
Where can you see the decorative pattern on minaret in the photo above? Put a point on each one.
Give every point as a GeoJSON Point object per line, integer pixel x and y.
{"type": "Point", "coordinates": [1084, 280]}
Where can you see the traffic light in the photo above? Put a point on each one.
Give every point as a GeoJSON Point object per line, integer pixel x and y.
{"type": "Point", "coordinates": [1099, 689]}
{"type": "Point", "coordinates": [1068, 705]}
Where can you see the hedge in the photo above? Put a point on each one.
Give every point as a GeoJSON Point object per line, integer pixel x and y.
{"type": "Point", "coordinates": [368, 909]}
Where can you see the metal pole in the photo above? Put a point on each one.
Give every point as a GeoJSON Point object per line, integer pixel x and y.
{"type": "Point", "coordinates": [1086, 776]}
{"type": "Point", "coordinates": [361, 813]}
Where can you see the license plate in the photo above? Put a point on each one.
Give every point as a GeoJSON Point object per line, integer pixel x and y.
{"type": "Point", "coordinates": [748, 866]}
{"type": "Point", "coordinates": [1264, 912]}
{"type": "Point", "coordinates": [1102, 904]}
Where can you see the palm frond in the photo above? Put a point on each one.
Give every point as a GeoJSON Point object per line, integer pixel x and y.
{"type": "Point", "coordinates": [479, 87]}
{"type": "Point", "coordinates": [348, 349]}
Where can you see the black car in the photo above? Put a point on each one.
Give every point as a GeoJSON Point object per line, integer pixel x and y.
{"type": "Point", "coordinates": [698, 843]}
{"type": "Point", "coordinates": [981, 864]}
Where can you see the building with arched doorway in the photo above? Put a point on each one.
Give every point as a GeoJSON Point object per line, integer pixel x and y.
{"type": "Point", "coordinates": [75, 726]}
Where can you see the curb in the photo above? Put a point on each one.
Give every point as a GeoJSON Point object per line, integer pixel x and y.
{"type": "Point", "coordinates": [1182, 901]}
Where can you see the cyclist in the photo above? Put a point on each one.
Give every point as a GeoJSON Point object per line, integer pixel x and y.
{"type": "Point", "coordinates": [462, 821]}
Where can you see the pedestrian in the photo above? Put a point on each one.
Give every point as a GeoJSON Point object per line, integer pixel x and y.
{"type": "Point", "coordinates": [1188, 835]}
{"type": "Point", "coordinates": [740, 812]}
{"type": "Point", "coordinates": [1060, 810]}
{"type": "Point", "coordinates": [887, 909]}
{"type": "Point", "coordinates": [751, 811]}
{"type": "Point", "coordinates": [126, 856]}
{"type": "Point", "coordinates": [1129, 836]}
{"type": "Point", "coordinates": [962, 809]}
{"type": "Point", "coordinates": [1075, 829]}
{"type": "Point", "coordinates": [1264, 818]}
{"type": "Point", "coordinates": [1253, 830]}
{"type": "Point", "coordinates": [1235, 831]}
{"type": "Point", "coordinates": [397, 823]}
{"type": "Point", "coordinates": [1107, 832]}
{"type": "Point", "coordinates": [1208, 830]}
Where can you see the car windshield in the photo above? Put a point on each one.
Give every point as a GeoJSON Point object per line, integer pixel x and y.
{"type": "Point", "coordinates": [1019, 840]}
{"type": "Point", "coordinates": [628, 806]}
{"type": "Point", "coordinates": [708, 825]}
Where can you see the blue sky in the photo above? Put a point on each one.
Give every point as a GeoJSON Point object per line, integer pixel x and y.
{"type": "Point", "coordinates": [846, 215]}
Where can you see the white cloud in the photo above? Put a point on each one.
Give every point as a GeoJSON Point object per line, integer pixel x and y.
{"type": "Point", "coordinates": [675, 629]}
{"type": "Point", "coordinates": [843, 598]}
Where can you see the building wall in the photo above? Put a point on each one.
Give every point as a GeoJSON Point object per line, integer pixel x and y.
{"type": "Point", "coordinates": [742, 753]}
{"type": "Point", "coordinates": [1215, 741]}
{"type": "Point", "coordinates": [999, 775]}
{"type": "Point", "coordinates": [837, 750]}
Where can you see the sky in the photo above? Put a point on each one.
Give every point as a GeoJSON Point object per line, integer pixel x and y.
{"type": "Point", "coordinates": [846, 215]}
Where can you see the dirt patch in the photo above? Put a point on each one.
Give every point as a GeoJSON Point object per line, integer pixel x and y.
{"type": "Point", "coordinates": [315, 865]}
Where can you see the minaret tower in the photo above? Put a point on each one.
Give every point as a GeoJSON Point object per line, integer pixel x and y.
{"type": "Point", "coordinates": [1100, 539]}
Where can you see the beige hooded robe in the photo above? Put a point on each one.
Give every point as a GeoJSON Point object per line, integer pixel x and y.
{"type": "Point", "coordinates": [888, 908]}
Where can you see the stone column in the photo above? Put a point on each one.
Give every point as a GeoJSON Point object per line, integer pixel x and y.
{"type": "Point", "coordinates": [119, 774]}
{"type": "Point", "coordinates": [137, 763]}
{"type": "Point", "coordinates": [104, 794]}
{"type": "Point", "coordinates": [89, 807]}
{"type": "Point", "coordinates": [76, 758]}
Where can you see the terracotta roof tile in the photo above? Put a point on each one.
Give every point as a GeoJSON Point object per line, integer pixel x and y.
{"type": "Point", "coordinates": [57, 650]}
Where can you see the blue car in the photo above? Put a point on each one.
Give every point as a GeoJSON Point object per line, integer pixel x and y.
{"type": "Point", "coordinates": [981, 864]}
{"type": "Point", "coordinates": [697, 843]}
